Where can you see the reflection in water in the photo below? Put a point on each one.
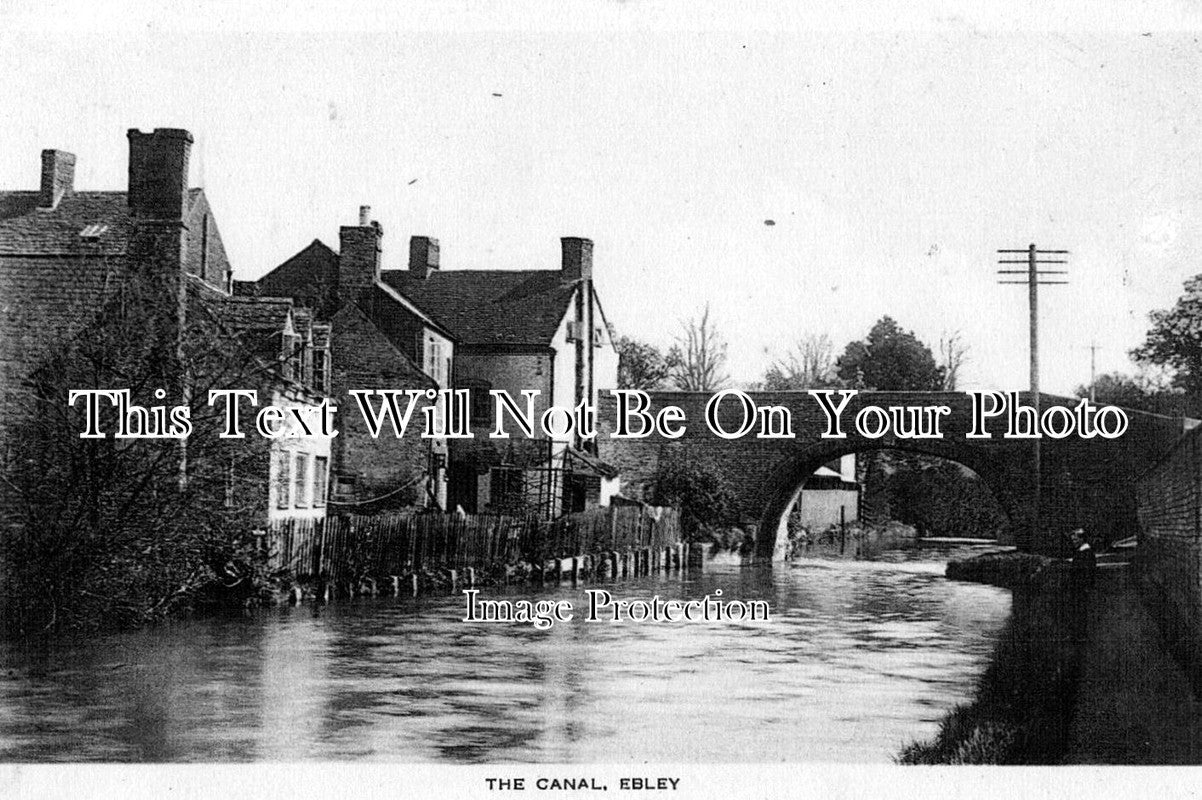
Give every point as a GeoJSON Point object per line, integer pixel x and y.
{"type": "Point", "coordinates": [857, 659]}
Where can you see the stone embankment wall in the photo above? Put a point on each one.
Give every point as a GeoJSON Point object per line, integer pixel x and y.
{"type": "Point", "coordinates": [1169, 500]}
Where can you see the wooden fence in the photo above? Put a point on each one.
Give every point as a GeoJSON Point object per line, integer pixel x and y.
{"type": "Point", "coordinates": [350, 547]}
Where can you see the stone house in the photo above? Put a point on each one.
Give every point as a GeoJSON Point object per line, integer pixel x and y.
{"type": "Point", "coordinates": [67, 257]}
{"type": "Point", "coordinates": [517, 330]}
{"type": "Point", "coordinates": [477, 330]}
{"type": "Point", "coordinates": [830, 496]}
{"type": "Point", "coordinates": [378, 340]}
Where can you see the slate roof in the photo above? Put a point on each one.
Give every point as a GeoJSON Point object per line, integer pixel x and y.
{"type": "Point", "coordinates": [45, 300]}
{"type": "Point", "coordinates": [27, 231]}
{"type": "Point", "coordinates": [488, 307]}
{"type": "Point", "coordinates": [254, 313]}
{"type": "Point", "coordinates": [309, 277]}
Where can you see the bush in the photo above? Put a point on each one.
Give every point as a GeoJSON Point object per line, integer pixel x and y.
{"type": "Point", "coordinates": [699, 491]}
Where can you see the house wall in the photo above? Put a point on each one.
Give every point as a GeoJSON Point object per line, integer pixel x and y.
{"type": "Point", "coordinates": [597, 355]}
{"type": "Point", "coordinates": [364, 358]}
{"type": "Point", "coordinates": [299, 473]}
{"type": "Point", "coordinates": [511, 372]}
{"type": "Point", "coordinates": [605, 356]}
{"type": "Point", "coordinates": [204, 253]}
{"type": "Point", "coordinates": [563, 389]}
{"type": "Point", "coordinates": [553, 373]}
{"type": "Point", "coordinates": [819, 508]}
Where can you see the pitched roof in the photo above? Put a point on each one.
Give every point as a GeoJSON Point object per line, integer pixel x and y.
{"type": "Point", "coordinates": [378, 359]}
{"type": "Point", "coordinates": [46, 300]}
{"type": "Point", "coordinates": [254, 313]}
{"type": "Point", "coordinates": [314, 265]}
{"type": "Point", "coordinates": [483, 307]}
{"type": "Point", "coordinates": [26, 230]}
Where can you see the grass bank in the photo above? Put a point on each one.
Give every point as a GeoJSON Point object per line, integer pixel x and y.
{"type": "Point", "coordinates": [1022, 709]}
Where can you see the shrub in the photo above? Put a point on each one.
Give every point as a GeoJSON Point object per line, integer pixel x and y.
{"type": "Point", "coordinates": [699, 491]}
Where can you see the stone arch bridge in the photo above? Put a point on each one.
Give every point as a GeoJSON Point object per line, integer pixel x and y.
{"type": "Point", "coordinates": [1086, 483]}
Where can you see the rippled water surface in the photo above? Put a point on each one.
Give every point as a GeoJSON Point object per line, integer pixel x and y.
{"type": "Point", "coordinates": [857, 659]}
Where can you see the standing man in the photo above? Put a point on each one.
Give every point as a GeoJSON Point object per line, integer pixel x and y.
{"type": "Point", "coordinates": [1082, 569]}
{"type": "Point", "coordinates": [1085, 563]}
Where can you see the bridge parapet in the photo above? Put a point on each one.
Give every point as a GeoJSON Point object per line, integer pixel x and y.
{"type": "Point", "coordinates": [1084, 482]}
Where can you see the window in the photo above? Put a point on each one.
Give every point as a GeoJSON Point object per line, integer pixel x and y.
{"type": "Point", "coordinates": [321, 473]}
{"type": "Point", "coordinates": [283, 479]}
{"type": "Point", "coordinates": [320, 370]}
{"type": "Point", "coordinates": [291, 365]}
{"type": "Point", "coordinates": [438, 367]}
{"type": "Point", "coordinates": [305, 356]}
{"type": "Point", "coordinates": [300, 480]}
{"type": "Point", "coordinates": [434, 361]}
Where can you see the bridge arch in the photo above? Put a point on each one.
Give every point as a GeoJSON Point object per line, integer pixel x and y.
{"type": "Point", "coordinates": [1087, 482]}
{"type": "Point", "coordinates": [786, 480]}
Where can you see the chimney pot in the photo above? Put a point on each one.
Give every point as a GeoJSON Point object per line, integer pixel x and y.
{"type": "Point", "coordinates": [577, 258]}
{"type": "Point", "coordinates": [364, 216]}
{"type": "Point", "coordinates": [423, 255]}
{"type": "Point", "coordinates": [58, 177]}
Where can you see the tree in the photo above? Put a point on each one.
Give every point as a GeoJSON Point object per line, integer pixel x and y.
{"type": "Point", "coordinates": [942, 498]}
{"type": "Point", "coordinates": [122, 531]}
{"type": "Point", "coordinates": [1143, 391]}
{"type": "Point", "coordinates": [698, 490]}
{"type": "Point", "coordinates": [809, 364]}
{"type": "Point", "coordinates": [890, 359]}
{"type": "Point", "coordinates": [953, 353]}
{"type": "Point", "coordinates": [1175, 339]}
{"type": "Point", "coordinates": [641, 365]}
{"type": "Point", "coordinates": [698, 360]}
{"type": "Point", "coordinates": [1117, 389]}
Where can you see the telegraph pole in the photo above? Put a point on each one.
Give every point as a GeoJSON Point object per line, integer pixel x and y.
{"type": "Point", "coordinates": [1033, 277]}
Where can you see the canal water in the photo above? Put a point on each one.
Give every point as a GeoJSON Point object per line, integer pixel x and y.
{"type": "Point", "coordinates": [858, 659]}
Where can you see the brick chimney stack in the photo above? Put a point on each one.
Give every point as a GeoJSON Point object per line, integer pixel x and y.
{"type": "Point", "coordinates": [158, 172]}
{"type": "Point", "coordinates": [58, 177]}
{"type": "Point", "coordinates": [423, 255]}
{"type": "Point", "coordinates": [577, 258]}
{"type": "Point", "coordinates": [359, 256]}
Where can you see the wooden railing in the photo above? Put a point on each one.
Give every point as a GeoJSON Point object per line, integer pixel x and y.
{"type": "Point", "coordinates": [345, 548]}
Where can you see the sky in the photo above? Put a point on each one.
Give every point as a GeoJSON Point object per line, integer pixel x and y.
{"type": "Point", "coordinates": [893, 154]}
